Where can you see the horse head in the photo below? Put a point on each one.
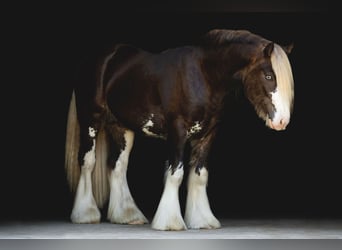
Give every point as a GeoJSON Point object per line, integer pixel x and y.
{"type": "Point", "coordinates": [268, 84]}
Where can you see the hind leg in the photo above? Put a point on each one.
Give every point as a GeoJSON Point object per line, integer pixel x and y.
{"type": "Point", "coordinates": [85, 209]}
{"type": "Point", "coordinates": [122, 208]}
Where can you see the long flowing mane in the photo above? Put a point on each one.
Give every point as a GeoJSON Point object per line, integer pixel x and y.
{"type": "Point", "coordinates": [283, 71]}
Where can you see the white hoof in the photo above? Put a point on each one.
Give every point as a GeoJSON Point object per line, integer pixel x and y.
{"type": "Point", "coordinates": [171, 224]}
{"type": "Point", "coordinates": [127, 216]}
{"type": "Point", "coordinates": [168, 215]}
{"type": "Point", "coordinates": [202, 223]}
{"type": "Point", "coordinates": [90, 215]}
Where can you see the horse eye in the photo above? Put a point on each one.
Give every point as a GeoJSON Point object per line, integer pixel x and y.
{"type": "Point", "coordinates": [268, 77]}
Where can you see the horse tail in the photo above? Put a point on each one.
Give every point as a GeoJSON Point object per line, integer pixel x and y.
{"type": "Point", "coordinates": [72, 168]}
{"type": "Point", "coordinates": [72, 143]}
{"type": "Point", "coordinates": [100, 174]}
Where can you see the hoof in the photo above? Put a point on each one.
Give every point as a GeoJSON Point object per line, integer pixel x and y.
{"type": "Point", "coordinates": [91, 216]}
{"type": "Point", "coordinates": [175, 224]}
{"type": "Point", "coordinates": [132, 216]}
{"type": "Point", "coordinates": [212, 223]}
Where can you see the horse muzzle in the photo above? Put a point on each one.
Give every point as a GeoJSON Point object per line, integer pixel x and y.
{"type": "Point", "coordinates": [277, 125]}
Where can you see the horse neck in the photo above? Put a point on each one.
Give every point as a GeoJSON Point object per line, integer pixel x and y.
{"type": "Point", "coordinates": [223, 63]}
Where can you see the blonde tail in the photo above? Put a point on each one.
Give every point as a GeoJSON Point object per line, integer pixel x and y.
{"type": "Point", "coordinates": [72, 168]}
{"type": "Point", "coordinates": [72, 143]}
{"type": "Point", "coordinates": [100, 174]}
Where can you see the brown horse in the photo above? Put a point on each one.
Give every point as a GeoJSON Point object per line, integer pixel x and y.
{"type": "Point", "coordinates": [176, 95]}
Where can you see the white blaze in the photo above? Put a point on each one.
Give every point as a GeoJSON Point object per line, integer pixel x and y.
{"type": "Point", "coordinates": [282, 109]}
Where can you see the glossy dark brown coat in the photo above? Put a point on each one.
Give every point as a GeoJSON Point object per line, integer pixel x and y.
{"type": "Point", "coordinates": [177, 95]}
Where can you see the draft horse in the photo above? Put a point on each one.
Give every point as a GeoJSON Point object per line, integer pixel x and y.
{"type": "Point", "coordinates": [176, 95]}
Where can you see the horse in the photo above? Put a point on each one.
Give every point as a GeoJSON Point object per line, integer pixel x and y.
{"type": "Point", "coordinates": [176, 95]}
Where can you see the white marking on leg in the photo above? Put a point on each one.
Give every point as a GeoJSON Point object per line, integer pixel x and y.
{"type": "Point", "coordinates": [168, 215]}
{"type": "Point", "coordinates": [122, 208]}
{"type": "Point", "coordinates": [148, 125]}
{"type": "Point", "coordinates": [194, 129]}
{"type": "Point", "coordinates": [92, 132]}
{"type": "Point", "coordinates": [85, 209]}
{"type": "Point", "coordinates": [198, 213]}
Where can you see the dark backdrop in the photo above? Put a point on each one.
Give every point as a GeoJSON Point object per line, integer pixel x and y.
{"type": "Point", "coordinates": [254, 172]}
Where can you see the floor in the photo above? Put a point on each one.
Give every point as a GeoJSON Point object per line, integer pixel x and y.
{"type": "Point", "coordinates": [231, 229]}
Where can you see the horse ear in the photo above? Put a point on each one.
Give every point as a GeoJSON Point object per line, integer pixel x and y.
{"type": "Point", "coordinates": [288, 48]}
{"type": "Point", "coordinates": [268, 49]}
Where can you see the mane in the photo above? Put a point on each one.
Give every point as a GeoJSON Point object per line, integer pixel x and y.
{"type": "Point", "coordinates": [219, 37]}
{"type": "Point", "coordinates": [283, 72]}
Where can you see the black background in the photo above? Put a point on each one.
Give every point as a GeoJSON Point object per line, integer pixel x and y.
{"type": "Point", "coordinates": [254, 171]}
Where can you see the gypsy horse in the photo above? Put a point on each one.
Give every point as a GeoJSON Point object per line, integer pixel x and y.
{"type": "Point", "coordinates": [177, 95]}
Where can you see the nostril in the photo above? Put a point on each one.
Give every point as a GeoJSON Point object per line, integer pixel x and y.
{"type": "Point", "coordinates": [284, 123]}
